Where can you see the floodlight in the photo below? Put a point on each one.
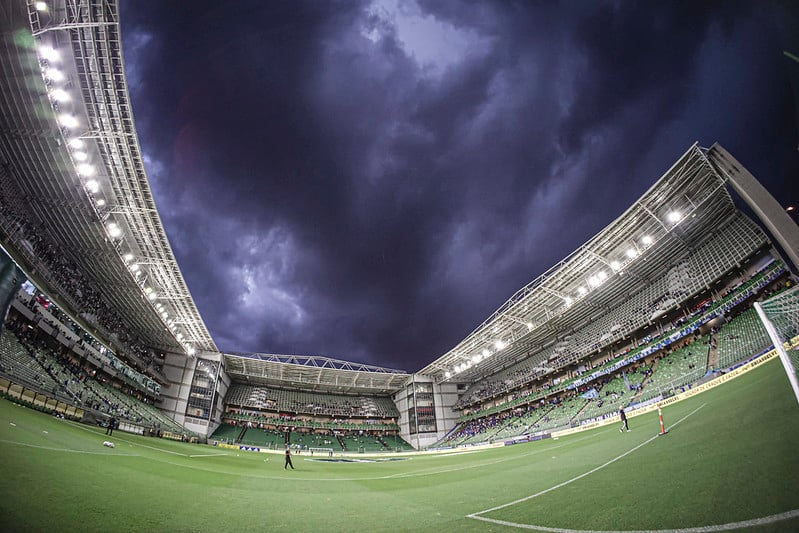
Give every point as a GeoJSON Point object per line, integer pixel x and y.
{"type": "Point", "coordinates": [92, 186]}
{"type": "Point", "coordinates": [40, 6]}
{"type": "Point", "coordinates": [674, 216]}
{"type": "Point", "coordinates": [128, 257]}
{"type": "Point", "coordinates": [76, 143]}
{"type": "Point", "coordinates": [568, 300]}
{"type": "Point", "coordinates": [100, 202]}
{"type": "Point", "coordinates": [148, 290]}
{"type": "Point", "coordinates": [476, 358]}
{"type": "Point", "coordinates": [529, 325]}
{"type": "Point", "coordinates": [593, 281]}
{"type": "Point", "coordinates": [486, 353]}
{"type": "Point", "coordinates": [152, 296]}
{"type": "Point", "coordinates": [68, 121]}
{"type": "Point", "coordinates": [582, 290]}
{"type": "Point", "coordinates": [49, 53]}
{"type": "Point", "coordinates": [54, 74]}
{"type": "Point", "coordinates": [632, 253]}
{"type": "Point", "coordinates": [80, 156]}
{"type": "Point", "coordinates": [114, 230]}
{"type": "Point", "coordinates": [164, 314]}
{"type": "Point", "coordinates": [180, 336]}
{"type": "Point", "coordinates": [646, 240]}
{"type": "Point", "coordinates": [60, 95]}
{"type": "Point", "coordinates": [134, 267]}
{"type": "Point", "coordinates": [447, 374]}
{"type": "Point", "coordinates": [191, 350]}
{"type": "Point", "coordinates": [615, 265]}
{"type": "Point", "coordinates": [500, 344]}
{"type": "Point", "coordinates": [602, 275]}
{"type": "Point", "coordinates": [85, 169]}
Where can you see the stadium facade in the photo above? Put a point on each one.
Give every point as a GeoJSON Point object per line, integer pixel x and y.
{"type": "Point", "coordinates": [86, 263]}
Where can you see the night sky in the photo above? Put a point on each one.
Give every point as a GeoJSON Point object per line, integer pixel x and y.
{"type": "Point", "coordinates": [369, 181]}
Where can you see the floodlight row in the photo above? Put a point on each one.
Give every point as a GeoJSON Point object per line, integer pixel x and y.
{"type": "Point", "coordinates": [55, 80]}
{"type": "Point", "coordinates": [594, 281]}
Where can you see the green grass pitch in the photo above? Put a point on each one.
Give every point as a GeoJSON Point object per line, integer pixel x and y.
{"type": "Point", "coordinates": [732, 457]}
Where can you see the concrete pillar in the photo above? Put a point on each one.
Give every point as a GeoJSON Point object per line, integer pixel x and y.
{"type": "Point", "coordinates": [782, 228]}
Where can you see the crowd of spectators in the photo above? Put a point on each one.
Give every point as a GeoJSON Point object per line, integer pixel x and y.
{"type": "Point", "coordinates": [67, 279]}
{"type": "Point", "coordinates": [71, 378]}
{"type": "Point", "coordinates": [500, 390]}
{"type": "Point", "coordinates": [48, 313]}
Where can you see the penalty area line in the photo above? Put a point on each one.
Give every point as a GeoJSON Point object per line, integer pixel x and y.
{"type": "Point", "coordinates": [477, 516]}
{"type": "Point", "coordinates": [745, 524]}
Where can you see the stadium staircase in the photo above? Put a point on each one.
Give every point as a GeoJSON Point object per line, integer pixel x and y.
{"type": "Point", "coordinates": [713, 353]}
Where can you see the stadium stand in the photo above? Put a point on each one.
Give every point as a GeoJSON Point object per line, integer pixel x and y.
{"type": "Point", "coordinates": [500, 384]}
{"type": "Point", "coordinates": [310, 403]}
{"type": "Point", "coordinates": [654, 366]}
{"type": "Point", "coordinates": [395, 442]}
{"type": "Point", "coordinates": [740, 338]}
{"type": "Point", "coordinates": [26, 355]}
{"type": "Point", "coordinates": [325, 439]}
{"type": "Point", "coordinates": [17, 363]}
{"type": "Point", "coordinates": [227, 433]}
{"type": "Point", "coordinates": [263, 438]}
{"type": "Point", "coordinates": [265, 416]}
{"type": "Point", "coordinates": [705, 265]}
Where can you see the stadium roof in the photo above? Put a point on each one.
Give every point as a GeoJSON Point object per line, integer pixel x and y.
{"type": "Point", "coordinates": [71, 153]}
{"type": "Point", "coordinates": [681, 209]}
{"type": "Point", "coordinates": [313, 373]}
{"type": "Point", "coordinates": [72, 156]}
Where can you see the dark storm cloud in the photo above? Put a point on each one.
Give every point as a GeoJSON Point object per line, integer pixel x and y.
{"type": "Point", "coordinates": [370, 181]}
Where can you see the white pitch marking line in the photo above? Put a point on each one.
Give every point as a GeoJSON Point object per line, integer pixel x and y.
{"type": "Point", "coordinates": [487, 463]}
{"type": "Point", "coordinates": [576, 478]}
{"type": "Point", "coordinates": [765, 520]}
{"type": "Point", "coordinates": [390, 476]}
{"type": "Point", "coordinates": [147, 446]}
{"type": "Point", "coordinates": [67, 450]}
{"type": "Point", "coordinates": [74, 424]}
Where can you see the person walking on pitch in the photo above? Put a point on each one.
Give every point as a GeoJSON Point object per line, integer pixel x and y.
{"type": "Point", "coordinates": [288, 460]}
{"type": "Point", "coordinates": [624, 424]}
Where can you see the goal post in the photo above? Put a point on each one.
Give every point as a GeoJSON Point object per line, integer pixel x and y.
{"type": "Point", "coordinates": [780, 317]}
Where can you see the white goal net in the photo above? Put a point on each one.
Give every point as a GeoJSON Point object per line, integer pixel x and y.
{"type": "Point", "coordinates": [780, 316]}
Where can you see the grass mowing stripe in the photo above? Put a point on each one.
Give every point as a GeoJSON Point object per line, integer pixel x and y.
{"type": "Point", "coordinates": [572, 480]}
{"type": "Point", "coordinates": [67, 450]}
{"type": "Point", "coordinates": [730, 462]}
{"type": "Point", "coordinates": [488, 463]}
{"type": "Point", "coordinates": [400, 475]}
{"type": "Point", "coordinates": [745, 524]}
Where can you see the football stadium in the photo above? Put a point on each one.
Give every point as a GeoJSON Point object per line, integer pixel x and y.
{"type": "Point", "coordinates": [120, 413]}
